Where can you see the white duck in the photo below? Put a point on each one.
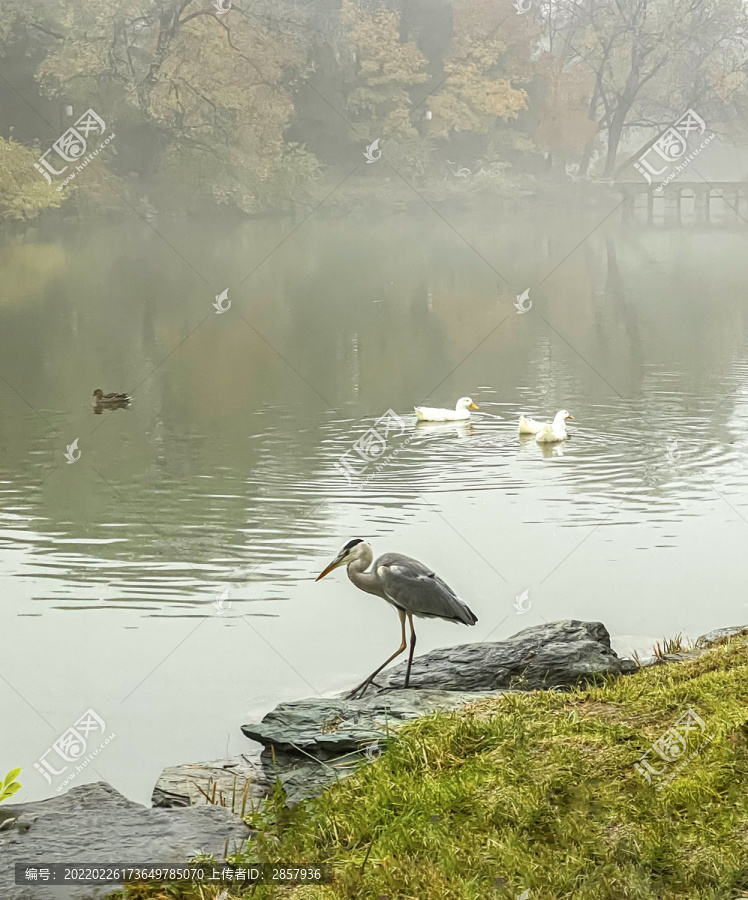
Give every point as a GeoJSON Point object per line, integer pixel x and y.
{"type": "Point", "coordinates": [529, 426]}
{"type": "Point", "coordinates": [459, 413]}
{"type": "Point", "coordinates": [556, 430]}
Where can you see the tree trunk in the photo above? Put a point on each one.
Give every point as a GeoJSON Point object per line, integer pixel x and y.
{"type": "Point", "coordinates": [618, 120]}
{"type": "Point", "coordinates": [614, 138]}
{"type": "Point", "coordinates": [168, 24]}
{"type": "Point", "coordinates": [584, 162]}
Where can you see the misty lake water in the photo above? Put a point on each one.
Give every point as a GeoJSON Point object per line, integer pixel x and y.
{"type": "Point", "coordinates": [223, 473]}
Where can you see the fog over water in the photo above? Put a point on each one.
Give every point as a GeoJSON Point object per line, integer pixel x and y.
{"type": "Point", "coordinates": [223, 473]}
{"type": "Point", "coordinates": [310, 216]}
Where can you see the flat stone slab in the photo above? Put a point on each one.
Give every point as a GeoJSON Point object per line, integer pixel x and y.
{"type": "Point", "coordinates": [328, 726]}
{"type": "Point", "coordinates": [720, 635]}
{"type": "Point", "coordinates": [93, 823]}
{"type": "Point", "coordinates": [558, 654]}
{"type": "Point", "coordinates": [314, 742]}
{"type": "Point", "coordinates": [238, 783]}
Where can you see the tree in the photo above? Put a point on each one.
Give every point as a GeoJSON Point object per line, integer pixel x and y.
{"type": "Point", "coordinates": [565, 125]}
{"type": "Point", "coordinates": [210, 85]}
{"type": "Point", "coordinates": [384, 68]}
{"type": "Point", "coordinates": [479, 87]}
{"type": "Point", "coordinates": [651, 59]}
{"type": "Point", "coordinates": [381, 68]}
{"type": "Point", "coordinates": [23, 191]}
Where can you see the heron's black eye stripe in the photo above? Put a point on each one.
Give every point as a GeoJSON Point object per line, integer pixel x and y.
{"type": "Point", "coordinates": [353, 543]}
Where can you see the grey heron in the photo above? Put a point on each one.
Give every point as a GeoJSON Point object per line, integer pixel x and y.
{"type": "Point", "coordinates": [412, 588]}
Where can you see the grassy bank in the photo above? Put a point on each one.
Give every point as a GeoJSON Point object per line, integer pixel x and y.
{"type": "Point", "coordinates": [537, 792]}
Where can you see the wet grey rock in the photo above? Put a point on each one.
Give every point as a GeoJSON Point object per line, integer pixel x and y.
{"type": "Point", "coordinates": [238, 783]}
{"type": "Point", "coordinates": [24, 822]}
{"type": "Point", "coordinates": [558, 654]}
{"type": "Point", "coordinates": [719, 635]}
{"type": "Point", "coordinates": [328, 726]}
{"type": "Point", "coordinates": [312, 743]}
{"type": "Point", "coordinates": [93, 823]}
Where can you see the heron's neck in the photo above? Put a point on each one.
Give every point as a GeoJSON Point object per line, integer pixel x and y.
{"type": "Point", "coordinates": [366, 581]}
{"type": "Point", "coordinates": [559, 421]}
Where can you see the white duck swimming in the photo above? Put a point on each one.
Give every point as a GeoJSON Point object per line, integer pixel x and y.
{"type": "Point", "coordinates": [529, 426]}
{"type": "Point", "coordinates": [460, 412]}
{"type": "Point", "coordinates": [555, 431]}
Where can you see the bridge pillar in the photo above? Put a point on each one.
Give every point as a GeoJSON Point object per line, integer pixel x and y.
{"type": "Point", "coordinates": [673, 195]}
{"type": "Point", "coordinates": [701, 202]}
{"type": "Point", "coordinates": [671, 201]}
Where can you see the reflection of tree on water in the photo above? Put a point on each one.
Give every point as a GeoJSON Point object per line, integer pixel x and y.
{"type": "Point", "coordinates": [27, 269]}
{"type": "Point", "coordinates": [226, 450]}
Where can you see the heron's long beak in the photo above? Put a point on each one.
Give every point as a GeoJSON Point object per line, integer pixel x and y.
{"type": "Point", "coordinates": [570, 416]}
{"type": "Point", "coordinates": [333, 565]}
{"type": "Point", "coordinates": [474, 406]}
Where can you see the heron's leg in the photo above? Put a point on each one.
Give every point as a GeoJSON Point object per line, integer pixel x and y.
{"type": "Point", "coordinates": [365, 684]}
{"type": "Point", "coordinates": [412, 648]}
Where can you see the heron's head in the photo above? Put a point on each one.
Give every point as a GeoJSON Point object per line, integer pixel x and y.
{"type": "Point", "coordinates": [466, 403]}
{"type": "Point", "coordinates": [564, 414]}
{"type": "Point", "coordinates": [98, 393]}
{"type": "Point", "coordinates": [355, 549]}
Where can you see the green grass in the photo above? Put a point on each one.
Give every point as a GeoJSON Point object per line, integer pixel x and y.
{"type": "Point", "coordinates": [535, 791]}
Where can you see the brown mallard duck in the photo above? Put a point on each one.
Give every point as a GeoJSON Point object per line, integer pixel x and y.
{"type": "Point", "coordinates": [110, 400]}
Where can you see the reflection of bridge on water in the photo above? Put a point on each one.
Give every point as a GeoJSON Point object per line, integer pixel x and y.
{"type": "Point", "coordinates": [693, 200]}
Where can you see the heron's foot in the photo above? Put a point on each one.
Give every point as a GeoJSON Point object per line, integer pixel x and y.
{"type": "Point", "coordinates": [358, 692]}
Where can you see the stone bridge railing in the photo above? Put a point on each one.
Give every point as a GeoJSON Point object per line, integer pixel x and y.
{"type": "Point", "coordinates": [669, 198]}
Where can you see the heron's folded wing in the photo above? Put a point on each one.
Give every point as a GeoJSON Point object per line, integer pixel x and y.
{"type": "Point", "coordinates": [416, 590]}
